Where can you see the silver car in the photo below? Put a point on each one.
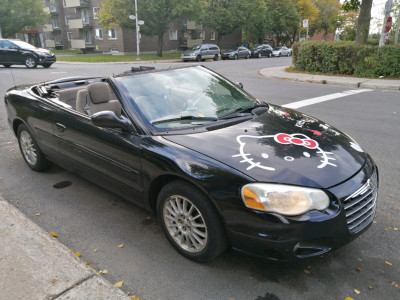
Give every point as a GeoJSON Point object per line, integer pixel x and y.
{"type": "Point", "coordinates": [281, 51]}
{"type": "Point", "coordinates": [201, 52]}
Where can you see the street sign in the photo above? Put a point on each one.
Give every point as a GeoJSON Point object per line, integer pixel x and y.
{"type": "Point", "coordinates": [305, 23]}
{"type": "Point", "coordinates": [140, 22]}
{"type": "Point", "coordinates": [388, 24]}
{"type": "Point", "coordinates": [132, 17]}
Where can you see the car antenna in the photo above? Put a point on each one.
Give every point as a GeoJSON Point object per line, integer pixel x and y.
{"type": "Point", "coordinates": [12, 75]}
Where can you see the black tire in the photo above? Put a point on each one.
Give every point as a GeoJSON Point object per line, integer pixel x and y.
{"type": "Point", "coordinates": [47, 65]}
{"type": "Point", "coordinates": [279, 54]}
{"type": "Point", "coordinates": [7, 66]}
{"type": "Point", "coordinates": [198, 58]}
{"type": "Point", "coordinates": [185, 60]}
{"type": "Point", "coordinates": [177, 222]}
{"type": "Point", "coordinates": [30, 150]}
{"type": "Point", "coordinates": [235, 57]}
{"type": "Point", "coordinates": [216, 57]}
{"type": "Point", "coordinates": [30, 62]}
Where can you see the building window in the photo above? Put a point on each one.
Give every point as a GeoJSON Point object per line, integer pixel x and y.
{"type": "Point", "coordinates": [173, 35]}
{"type": "Point", "coordinates": [99, 34]}
{"type": "Point", "coordinates": [96, 12]}
{"type": "Point", "coordinates": [57, 38]}
{"type": "Point", "coordinates": [212, 37]}
{"type": "Point", "coordinates": [66, 20]}
{"type": "Point", "coordinates": [49, 36]}
{"type": "Point", "coordinates": [85, 16]}
{"type": "Point", "coordinates": [70, 36]}
{"type": "Point", "coordinates": [54, 21]}
{"type": "Point", "coordinates": [202, 35]}
{"type": "Point", "coordinates": [112, 34]}
{"type": "Point", "coordinates": [87, 34]}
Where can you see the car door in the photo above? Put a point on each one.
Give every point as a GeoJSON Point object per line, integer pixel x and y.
{"type": "Point", "coordinates": [284, 51]}
{"type": "Point", "coordinates": [204, 52]}
{"type": "Point", "coordinates": [107, 156]}
{"type": "Point", "coordinates": [12, 52]}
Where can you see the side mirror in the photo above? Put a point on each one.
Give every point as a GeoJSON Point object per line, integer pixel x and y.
{"type": "Point", "coordinates": [239, 85]}
{"type": "Point", "coordinates": [109, 119]}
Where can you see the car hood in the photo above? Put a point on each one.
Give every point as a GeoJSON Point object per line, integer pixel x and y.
{"type": "Point", "coordinates": [40, 51]}
{"type": "Point", "coordinates": [281, 146]}
{"type": "Point", "coordinates": [191, 52]}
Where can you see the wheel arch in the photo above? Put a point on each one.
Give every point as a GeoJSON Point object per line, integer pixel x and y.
{"type": "Point", "coordinates": [16, 124]}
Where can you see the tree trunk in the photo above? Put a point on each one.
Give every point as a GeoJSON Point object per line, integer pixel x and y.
{"type": "Point", "coordinates": [160, 45]}
{"type": "Point", "coordinates": [219, 40]}
{"type": "Point", "coordinates": [363, 22]}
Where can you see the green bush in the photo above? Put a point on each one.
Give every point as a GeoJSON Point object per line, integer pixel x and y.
{"type": "Point", "coordinates": [347, 58]}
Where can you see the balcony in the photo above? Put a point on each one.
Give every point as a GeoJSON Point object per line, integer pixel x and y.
{"type": "Point", "coordinates": [48, 28]}
{"type": "Point", "coordinates": [78, 44]}
{"type": "Point", "coordinates": [77, 3]}
{"type": "Point", "coordinates": [53, 10]}
{"type": "Point", "coordinates": [49, 43]}
{"type": "Point", "coordinates": [78, 23]}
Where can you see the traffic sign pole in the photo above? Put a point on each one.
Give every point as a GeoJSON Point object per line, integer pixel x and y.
{"type": "Point", "coordinates": [386, 20]}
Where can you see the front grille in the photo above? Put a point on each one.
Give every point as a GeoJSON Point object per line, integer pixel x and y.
{"type": "Point", "coordinates": [360, 206]}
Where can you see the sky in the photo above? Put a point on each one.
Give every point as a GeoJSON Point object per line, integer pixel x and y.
{"type": "Point", "coordinates": [377, 14]}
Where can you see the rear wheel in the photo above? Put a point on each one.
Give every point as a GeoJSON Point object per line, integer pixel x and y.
{"type": "Point", "coordinates": [216, 57]}
{"type": "Point", "coordinates": [30, 62]}
{"type": "Point", "coordinates": [270, 55]}
{"type": "Point", "coordinates": [235, 57]}
{"type": "Point", "coordinates": [7, 66]}
{"type": "Point", "coordinates": [190, 222]}
{"type": "Point", "coordinates": [259, 55]}
{"type": "Point", "coordinates": [247, 56]}
{"type": "Point", "coordinates": [198, 58]}
{"type": "Point", "coordinates": [30, 150]}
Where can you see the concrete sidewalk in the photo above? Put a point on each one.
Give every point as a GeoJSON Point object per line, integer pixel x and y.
{"type": "Point", "coordinates": [365, 83]}
{"type": "Point", "coordinates": [34, 265]}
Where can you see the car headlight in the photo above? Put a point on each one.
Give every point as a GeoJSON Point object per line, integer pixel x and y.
{"type": "Point", "coordinates": [283, 199]}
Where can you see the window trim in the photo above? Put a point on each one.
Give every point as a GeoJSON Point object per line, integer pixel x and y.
{"type": "Point", "coordinates": [96, 15]}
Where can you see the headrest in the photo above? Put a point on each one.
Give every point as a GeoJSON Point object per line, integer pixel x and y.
{"type": "Point", "coordinates": [99, 92]}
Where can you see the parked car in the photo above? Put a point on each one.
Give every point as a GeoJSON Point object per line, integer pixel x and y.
{"type": "Point", "coordinates": [281, 51]}
{"type": "Point", "coordinates": [16, 52]}
{"type": "Point", "coordinates": [261, 50]}
{"type": "Point", "coordinates": [201, 52]}
{"type": "Point", "coordinates": [218, 167]}
{"type": "Point", "coordinates": [290, 51]}
{"type": "Point", "coordinates": [236, 53]}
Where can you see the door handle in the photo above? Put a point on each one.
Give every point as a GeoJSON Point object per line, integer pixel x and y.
{"type": "Point", "coordinates": [61, 127]}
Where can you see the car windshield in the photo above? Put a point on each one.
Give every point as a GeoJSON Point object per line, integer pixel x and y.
{"type": "Point", "coordinates": [196, 47]}
{"type": "Point", "coordinates": [277, 48]}
{"type": "Point", "coordinates": [185, 97]}
{"type": "Point", "coordinates": [24, 45]}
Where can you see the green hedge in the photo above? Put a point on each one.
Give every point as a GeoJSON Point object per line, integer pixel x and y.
{"type": "Point", "coordinates": [347, 58]}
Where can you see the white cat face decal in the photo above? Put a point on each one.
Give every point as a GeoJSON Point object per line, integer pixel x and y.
{"type": "Point", "coordinates": [298, 139]}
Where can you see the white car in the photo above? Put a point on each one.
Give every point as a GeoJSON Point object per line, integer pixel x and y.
{"type": "Point", "coordinates": [282, 51]}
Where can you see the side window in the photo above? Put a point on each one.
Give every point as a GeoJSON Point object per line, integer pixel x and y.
{"type": "Point", "coordinates": [7, 44]}
{"type": "Point", "coordinates": [204, 48]}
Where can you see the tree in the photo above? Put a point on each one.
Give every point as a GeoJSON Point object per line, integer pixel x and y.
{"type": "Point", "coordinates": [255, 28]}
{"type": "Point", "coordinates": [307, 10]}
{"type": "Point", "coordinates": [329, 17]}
{"type": "Point", "coordinates": [349, 27]}
{"type": "Point", "coordinates": [364, 17]}
{"type": "Point", "coordinates": [283, 20]}
{"type": "Point", "coordinates": [17, 15]}
{"type": "Point", "coordinates": [224, 16]}
{"type": "Point", "coordinates": [157, 15]}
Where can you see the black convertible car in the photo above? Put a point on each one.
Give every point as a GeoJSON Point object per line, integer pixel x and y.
{"type": "Point", "coordinates": [219, 167]}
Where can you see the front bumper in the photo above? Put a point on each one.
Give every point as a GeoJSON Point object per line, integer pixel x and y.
{"type": "Point", "coordinates": [227, 56]}
{"type": "Point", "coordinates": [272, 236]}
{"type": "Point", "coordinates": [47, 60]}
{"type": "Point", "coordinates": [187, 57]}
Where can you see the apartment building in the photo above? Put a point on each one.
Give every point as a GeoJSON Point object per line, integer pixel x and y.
{"type": "Point", "coordinates": [74, 24]}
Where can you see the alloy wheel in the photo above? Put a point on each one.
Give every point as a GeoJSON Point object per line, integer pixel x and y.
{"type": "Point", "coordinates": [28, 148]}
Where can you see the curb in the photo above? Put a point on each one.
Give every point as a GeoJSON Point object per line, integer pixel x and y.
{"type": "Point", "coordinates": [35, 265]}
{"type": "Point", "coordinates": [354, 82]}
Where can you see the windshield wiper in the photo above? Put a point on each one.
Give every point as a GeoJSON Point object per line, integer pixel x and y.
{"type": "Point", "coordinates": [184, 118]}
{"type": "Point", "coordinates": [238, 112]}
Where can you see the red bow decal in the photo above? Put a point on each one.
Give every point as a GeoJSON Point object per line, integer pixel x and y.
{"type": "Point", "coordinates": [284, 138]}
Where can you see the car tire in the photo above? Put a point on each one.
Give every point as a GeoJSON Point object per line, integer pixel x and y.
{"type": "Point", "coordinates": [235, 57]}
{"type": "Point", "coordinates": [30, 150]}
{"type": "Point", "coordinates": [47, 65]}
{"type": "Point", "coordinates": [259, 55]}
{"type": "Point", "coordinates": [178, 205]}
{"type": "Point", "coordinates": [280, 54]}
{"type": "Point", "coordinates": [198, 58]}
{"type": "Point", "coordinates": [185, 60]}
{"type": "Point", "coordinates": [30, 62]}
{"type": "Point", "coordinates": [216, 57]}
{"type": "Point", "coordinates": [7, 66]}
{"type": "Point", "coordinates": [248, 56]}
{"type": "Point", "coordinates": [270, 55]}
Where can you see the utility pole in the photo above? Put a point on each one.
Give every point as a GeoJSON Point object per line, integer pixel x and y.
{"type": "Point", "coordinates": [388, 7]}
{"type": "Point", "coordinates": [138, 33]}
{"type": "Point", "coordinates": [396, 36]}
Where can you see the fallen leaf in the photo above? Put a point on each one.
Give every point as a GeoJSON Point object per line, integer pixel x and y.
{"type": "Point", "coordinates": [348, 298]}
{"type": "Point", "coordinates": [374, 222]}
{"type": "Point", "coordinates": [387, 228]}
{"type": "Point", "coordinates": [390, 195]}
{"type": "Point", "coordinates": [307, 271]}
{"type": "Point", "coordinates": [98, 272]}
{"type": "Point", "coordinates": [104, 272]}
{"type": "Point", "coordinates": [12, 150]}
{"type": "Point", "coordinates": [95, 250]}
{"type": "Point", "coordinates": [78, 254]}
{"type": "Point", "coordinates": [53, 234]}
{"type": "Point", "coordinates": [360, 259]}
{"type": "Point", "coordinates": [38, 214]}
{"type": "Point", "coordinates": [54, 281]}
{"type": "Point", "coordinates": [359, 270]}
{"type": "Point", "coordinates": [72, 250]}
{"type": "Point", "coordinates": [371, 287]}
{"type": "Point", "coordinates": [128, 293]}
{"type": "Point", "coordinates": [119, 284]}
{"type": "Point", "coordinates": [357, 292]}
{"type": "Point", "coordinates": [395, 228]}
{"type": "Point", "coordinates": [388, 263]}
{"type": "Point", "coordinates": [135, 298]}
{"type": "Point", "coordinates": [121, 246]}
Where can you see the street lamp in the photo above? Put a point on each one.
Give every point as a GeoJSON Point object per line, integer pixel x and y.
{"type": "Point", "coordinates": [135, 17]}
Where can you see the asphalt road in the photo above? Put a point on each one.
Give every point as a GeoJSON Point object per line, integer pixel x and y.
{"type": "Point", "coordinates": [87, 217]}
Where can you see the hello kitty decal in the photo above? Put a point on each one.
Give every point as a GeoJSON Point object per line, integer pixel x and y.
{"type": "Point", "coordinates": [298, 139]}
